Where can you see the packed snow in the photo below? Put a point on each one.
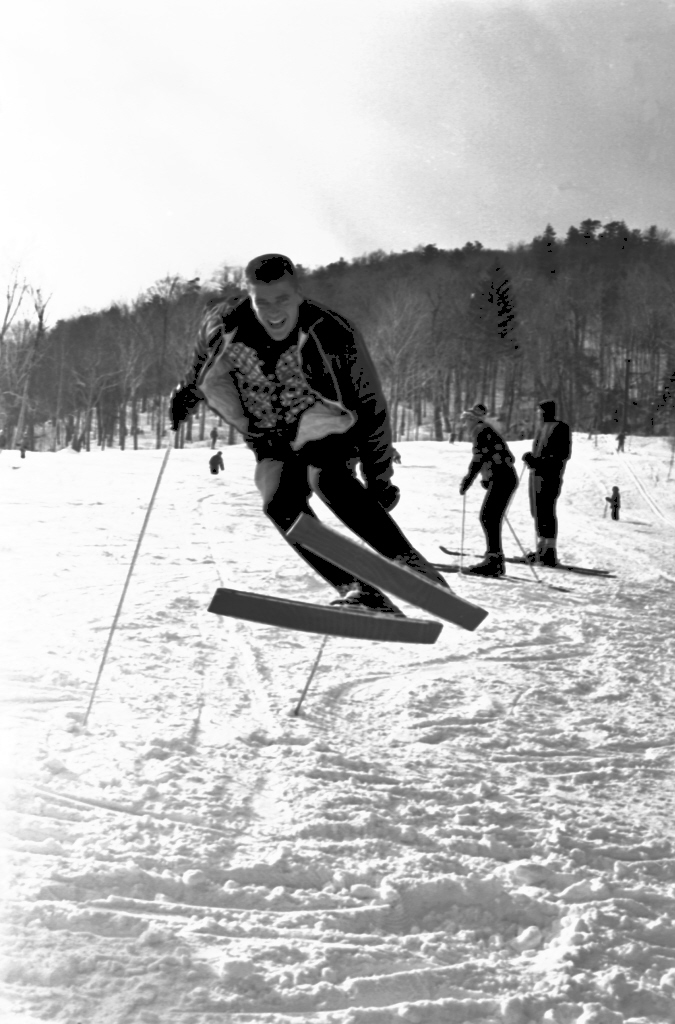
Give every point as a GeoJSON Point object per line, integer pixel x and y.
{"type": "Point", "coordinates": [479, 830]}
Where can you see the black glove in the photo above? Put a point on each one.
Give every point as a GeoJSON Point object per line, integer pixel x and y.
{"type": "Point", "coordinates": [184, 399]}
{"type": "Point", "coordinates": [464, 486]}
{"type": "Point", "coordinates": [529, 460]}
{"type": "Point", "coordinates": [485, 484]}
{"type": "Point", "coordinates": [387, 495]}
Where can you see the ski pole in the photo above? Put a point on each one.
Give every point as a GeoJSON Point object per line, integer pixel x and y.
{"type": "Point", "coordinates": [126, 584]}
{"type": "Point", "coordinates": [296, 710]}
{"type": "Point", "coordinates": [461, 544]}
{"type": "Point", "coordinates": [522, 549]}
{"type": "Point", "coordinates": [551, 586]}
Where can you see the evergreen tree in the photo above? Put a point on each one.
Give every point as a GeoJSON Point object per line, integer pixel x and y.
{"type": "Point", "coordinates": [493, 314]}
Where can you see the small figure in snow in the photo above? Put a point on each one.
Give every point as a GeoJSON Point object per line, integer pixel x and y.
{"type": "Point", "coordinates": [216, 463]}
{"type": "Point", "coordinates": [214, 437]}
{"type": "Point", "coordinates": [23, 448]}
{"type": "Point", "coordinates": [621, 440]}
{"type": "Point", "coordinates": [493, 459]}
{"type": "Point", "coordinates": [297, 380]}
{"type": "Point", "coordinates": [452, 437]}
{"type": "Point", "coordinates": [614, 501]}
{"type": "Point", "coordinates": [551, 449]}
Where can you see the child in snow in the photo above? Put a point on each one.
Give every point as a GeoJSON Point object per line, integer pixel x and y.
{"type": "Point", "coordinates": [614, 501]}
{"type": "Point", "coordinates": [216, 463]}
{"type": "Point", "coordinates": [298, 381]}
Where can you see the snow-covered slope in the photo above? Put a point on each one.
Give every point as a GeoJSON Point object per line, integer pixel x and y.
{"type": "Point", "coordinates": [481, 830]}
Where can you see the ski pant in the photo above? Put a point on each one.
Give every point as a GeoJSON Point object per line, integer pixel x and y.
{"type": "Point", "coordinates": [492, 512]}
{"type": "Point", "coordinates": [322, 467]}
{"type": "Point", "coordinates": [544, 491]}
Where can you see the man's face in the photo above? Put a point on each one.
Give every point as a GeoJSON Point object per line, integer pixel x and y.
{"type": "Point", "coordinates": [276, 305]}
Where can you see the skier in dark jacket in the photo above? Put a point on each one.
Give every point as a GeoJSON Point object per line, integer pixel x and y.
{"type": "Point", "coordinates": [614, 501]}
{"type": "Point", "coordinates": [298, 382]}
{"type": "Point", "coordinates": [216, 463]}
{"type": "Point", "coordinates": [494, 461]}
{"type": "Point", "coordinates": [551, 449]}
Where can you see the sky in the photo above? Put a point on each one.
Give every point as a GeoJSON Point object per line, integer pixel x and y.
{"type": "Point", "coordinates": [151, 137]}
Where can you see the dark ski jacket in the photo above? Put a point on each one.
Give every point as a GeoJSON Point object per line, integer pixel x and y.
{"type": "Point", "coordinates": [551, 449]}
{"type": "Point", "coordinates": [332, 381]}
{"type": "Point", "coordinates": [492, 458]}
{"type": "Point", "coordinates": [216, 462]}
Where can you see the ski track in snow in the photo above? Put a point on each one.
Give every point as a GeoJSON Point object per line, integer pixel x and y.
{"type": "Point", "coordinates": [480, 831]}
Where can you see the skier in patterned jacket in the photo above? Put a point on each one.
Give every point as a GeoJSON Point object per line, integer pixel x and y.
{"type": "Point", "coordinates": [492, 458]}
{"type": "Point", "coordinates": [296, 379]}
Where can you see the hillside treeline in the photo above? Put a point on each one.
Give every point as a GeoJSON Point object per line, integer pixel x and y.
{"type": "Point", "coordinates": [588, 319]}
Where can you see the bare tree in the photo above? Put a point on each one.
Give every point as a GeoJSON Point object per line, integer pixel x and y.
{"type": "Point", "coordinates": [36, 338]}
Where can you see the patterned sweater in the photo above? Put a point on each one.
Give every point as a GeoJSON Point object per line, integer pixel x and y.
{"type": "Point", "coordinates": [492, 457]}
{"type": "Point", "coordinates": [320, 381]}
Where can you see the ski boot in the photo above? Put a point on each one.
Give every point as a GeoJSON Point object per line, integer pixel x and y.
{"type": "Point", "coordinates": [548, 557]}
{"type": "Point", "coordinates": [362, 597]}
{"type": "Point", "coordinates": [492, 565]}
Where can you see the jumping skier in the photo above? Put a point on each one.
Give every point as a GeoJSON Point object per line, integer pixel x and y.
{"type": "Point", "coordinates": [493, 459]}
{"type": "Point", "coordinates": [296, 379]}
{"type": "Point", "coordinates": [551, 449]}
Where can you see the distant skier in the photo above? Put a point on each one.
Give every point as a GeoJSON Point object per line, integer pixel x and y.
{"type": "Point", "coordinates": [214, 437]}
{"type": "Point", "coordinates": [614, 501]}
{"type": "Point", "coordinates": [298, 382]}
{"type": "Point", "coordinates": [493, 459]}
{"type": "Point", "coordinates": [551, 449]}
{"type": "Point", "coordinates": [23, 448]}
{"type": "Point", "coordinates": [216, 463]}
{"type": "Point", "coordinates": [621, 440]}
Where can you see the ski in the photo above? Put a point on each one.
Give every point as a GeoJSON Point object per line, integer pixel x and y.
{"type": "Point", "coordinates": [381, 572]}
{"type": "Point", "coordinates": [581, 570]}
{"type": "Point", "coordinates": [326, 619]}
{"type": "Point", "coordinates": [456, 568]}
{"type": "Point", "coordinates": [519, 560]}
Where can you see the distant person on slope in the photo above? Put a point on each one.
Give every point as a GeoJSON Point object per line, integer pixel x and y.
{"type": "Point", "coordinates": [216, 463]}
{"type": "Point", "coordinates": [614, 501]}
{"type": "Point", "coordinates": [298, 382]}
{"type": "Point", "coordinates": [551, 449]}
{"type": "Point", "coordinates": [493, 459]}
{"type": "Point", "coordinates": [621, 441]}
{"type": "Point", "coordinates": [214, 437]}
